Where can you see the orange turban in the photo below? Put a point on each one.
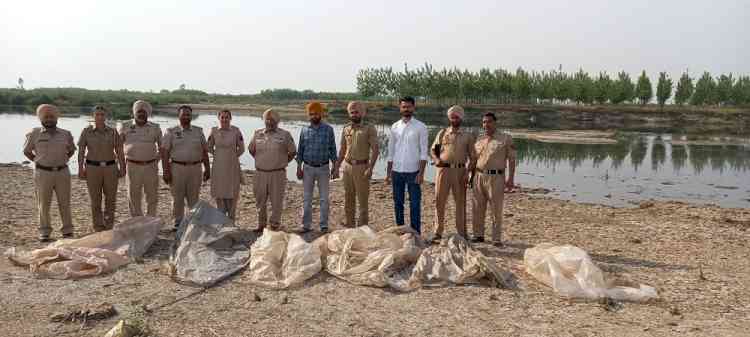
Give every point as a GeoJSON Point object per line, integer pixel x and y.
{"type": "Point", "coordinates": [315, 107]}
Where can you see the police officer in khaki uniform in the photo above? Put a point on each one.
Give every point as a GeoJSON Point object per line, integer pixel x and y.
{"type": "Point", "coordinates": [359, 151]}
{"type": "Point", "coordinates": [50, 148]}
{"type": "Point", "coordinates": [99, 152]}
{"type": "Point", "coordinates": [141, 140]}
{"type": "Point", "coordinates": [496, 153]}
{"type": "Point", "coordinates": [226, 145]}
{"type": "Point", "coordinates": [273, 149]}
{"type": "Point", "coordinates": [184, 148]}
{"type": "Point", "coordinates": [452, 152]}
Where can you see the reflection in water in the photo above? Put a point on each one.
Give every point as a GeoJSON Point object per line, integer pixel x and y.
{"type": "Point", "coordinates": [658, 153]}
{"type": "Point", "coordinates": [638, 148]}
{"type": "Point", "coordinates": [679, 156]}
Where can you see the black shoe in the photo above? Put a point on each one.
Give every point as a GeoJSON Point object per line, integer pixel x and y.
{"type": "Point", "coordinates": [68, 236]}
{"type": "Point", "coordinates": [324, 230]}
{"type": "Point", "coordinates": [478, 239]}
{"type": "Point", "coordinates": [44, 238]}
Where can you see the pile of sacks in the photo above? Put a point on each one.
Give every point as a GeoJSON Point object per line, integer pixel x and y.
{"type": "Point", "coordinates": [209, 249]}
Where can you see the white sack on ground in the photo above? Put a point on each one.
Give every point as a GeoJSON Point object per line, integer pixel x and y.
{"type": "Point", "coordinates": [363, 257]}
{"type": "Point", "coordinates": [454, 261]}
{"type": "Point", "coordinates": [571, 273]}
{"type": "Point", "coordinates": [209, 248]}
{"type": "Point", "coordinates": [281, 260]}
{"type": "Point", "coordinates": [91, 255]}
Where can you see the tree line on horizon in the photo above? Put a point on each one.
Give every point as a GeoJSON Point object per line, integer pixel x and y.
{"type": "Point", "coordinates": [500, 86]}
{"type": "Point", "coordinates": [443, 87]}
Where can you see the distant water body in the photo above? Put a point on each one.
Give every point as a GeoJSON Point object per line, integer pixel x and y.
{"type": "Point", "coordinates": [639, 166]}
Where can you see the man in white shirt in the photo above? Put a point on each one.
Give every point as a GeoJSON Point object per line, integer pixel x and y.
{"type": "Point", "coordinates": [407, 158]}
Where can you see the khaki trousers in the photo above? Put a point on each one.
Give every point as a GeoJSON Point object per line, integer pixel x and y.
{"type": "Point", "coordinates": [186, 185]}
{"type": "Point", "coordinates": [102, 180]}
{"type": "Point", "coordinates": [449, 180]}
{"type": "Point", "coordinates": [228, 207]}
{"type": "Point", "coordinates": [143, 178]}
{"type": "Point", "coordinates": [46, 183]}
{"type": "Point", "coordinates": [488, 188]}
{"type": "Point", "coordinates": [356, 191]}
{"type": "Point", "coordinates": [269, 185]}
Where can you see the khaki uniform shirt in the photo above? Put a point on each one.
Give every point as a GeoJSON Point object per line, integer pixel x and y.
{"type": "Point", "coordinates": [98, 144]}
{"type": "Point", "coordinates": [457, 146]}
{"type": "Point", "coordinates": [140, 143]}
{"type": "Point", "coordinates": [50, 147]}
{"type": "Point", "coordinates": [495, 151]}
{"type": "Point", "coordinates": [185, 145]}
{"type": "Point", "coordinates": [360, 139]}
{"type": "Point", "coordinates": [272, 149]}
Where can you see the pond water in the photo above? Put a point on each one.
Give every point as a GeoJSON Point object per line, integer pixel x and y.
{"type": "Point", "coordinates": [639, 166]}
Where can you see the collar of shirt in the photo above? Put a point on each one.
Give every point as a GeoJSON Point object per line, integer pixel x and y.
{"type": "Point", "coordinates": [454, 131]}
{"type": "Point", "coordinates": [104, 128]}
{"type": "Point", "coordinates": [190, 127]}
{"type": "Point", "coordinates": [49, 130]}
{"type": "Point", "coordinates": [267, 130]}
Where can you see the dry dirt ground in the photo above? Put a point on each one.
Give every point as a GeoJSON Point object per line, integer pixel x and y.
{"type": "Point", "coordinates": [696, 256]}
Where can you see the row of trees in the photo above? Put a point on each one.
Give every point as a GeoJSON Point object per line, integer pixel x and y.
{"type": "Point", "coordinates": [84, 97]}
{"type": "Point", "coordinates": [522, 86]}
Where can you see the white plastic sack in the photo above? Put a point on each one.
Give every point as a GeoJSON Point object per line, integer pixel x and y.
{"type": "Point", "coordinates": [363, 257]}
{"type": "Point", "coordinates": [209, 248]}
{"type": "Point", "coordinates": [454, 261]}
{"type": "Point", "coordinates": [91, 255]}
{"type": "Point", "coordinates": [571, 273]}
{"type": "Point", "coordinates": [281, 260]}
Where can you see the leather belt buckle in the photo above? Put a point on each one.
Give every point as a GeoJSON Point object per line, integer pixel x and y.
{"type": "Point", "coordinates": [102, 163]}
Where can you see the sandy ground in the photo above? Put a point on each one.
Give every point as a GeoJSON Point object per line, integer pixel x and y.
{"type": "Point", "coordinates": [668, 245]}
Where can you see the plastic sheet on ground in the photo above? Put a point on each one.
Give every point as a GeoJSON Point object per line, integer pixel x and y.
{"type": "Point", "coordinates": [571, 273]}
{"type": "Point", "coordinates": [363, 257]}
{"type": "Point", "coordinates": [94, 254]}
{"type": "Point", "coordinates": [209, 248]}
{"type": "Point", "coordinates": [281, 260]}
{"type": "Point", "coordinates": [454, 261]}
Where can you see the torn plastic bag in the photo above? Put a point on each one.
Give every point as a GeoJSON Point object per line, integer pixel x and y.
{"type": "Point", "coordinates": [209, 248]}
{"type": "Point", "coordinates": [281, 260]}
{"type": "Point", "coordinates": [363, 257]}
{"type": "Point", "coordinates": [570, 271]}
{"type": "Point", "coordinates": [91, 255]}
{"type": "Point", "coordinates": [454, 261]}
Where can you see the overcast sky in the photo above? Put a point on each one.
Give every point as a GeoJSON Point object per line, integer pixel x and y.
{"type": "Point", "coordinates": [246, 46]}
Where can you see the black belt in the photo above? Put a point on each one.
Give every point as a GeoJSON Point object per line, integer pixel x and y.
{"type": "Point", "coordinates": [51, 168]}
{"type": "Point", "coordinates": [100, 163]}
{"type": "Point", "coordinates": [500, 171]}
{"type": "Point", "coordinates": [441, 164]}
{"type": "Point", "coordinates": [186, 163]}
{"type": "Point", "coordinates": [272, 170]}
{"type": "Point", "coordinates": [140, 162]}
{"type": "Point", "coordinates": [315, 165]}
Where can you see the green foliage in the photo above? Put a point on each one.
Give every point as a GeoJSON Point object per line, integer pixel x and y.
{"type": "Point", "coordinates": [623, 89]}
{"type": "Point", "coordinates": [602, 87]}
{"type": "Point", "coordinates": [663, 88]}
{"type": "Point", "coordinates": [724, 87]}
{"type": "Point", "coordinates": [583, 87]}
{"type": "Point", "coordinates": [643, 89]}
{"type": "Point", "coordinates": [741, 91]}
{"type": "Point", "coordinates": [684, 89]}
{"type": "Point", "coordinates": [705, 91]}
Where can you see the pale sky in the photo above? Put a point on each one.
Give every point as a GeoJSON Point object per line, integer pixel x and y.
{"type": "Point", "coordinates": [227, 46]}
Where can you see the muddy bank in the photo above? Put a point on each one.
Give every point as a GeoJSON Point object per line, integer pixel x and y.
{"type": "Point", "coordinates": [671, 119]}
{"type": "Point", "coordinates": [696, 257]}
